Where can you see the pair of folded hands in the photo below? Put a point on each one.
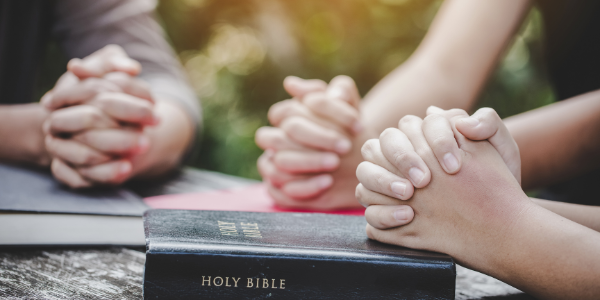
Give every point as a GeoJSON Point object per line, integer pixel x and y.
{"type": "Point", "coordinates": [99, 111]}
{"type": "Point", "coordinates": [438, 183]}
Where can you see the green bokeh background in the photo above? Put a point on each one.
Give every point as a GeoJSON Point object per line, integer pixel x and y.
{"type": "Point", "coordinates": [237, 53]}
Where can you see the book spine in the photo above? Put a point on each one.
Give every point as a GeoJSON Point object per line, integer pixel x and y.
{"type": "Point", "coordinates": [222, 276]}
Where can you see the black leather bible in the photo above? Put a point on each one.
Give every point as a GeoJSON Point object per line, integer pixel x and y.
{"type": "Point", "coordinates": [251, 255]}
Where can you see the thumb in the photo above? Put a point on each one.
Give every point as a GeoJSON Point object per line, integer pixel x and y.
{"type": "Point", "coordinates": [485, 124]}
{"type": "Point", "coordinates": [344, 87]}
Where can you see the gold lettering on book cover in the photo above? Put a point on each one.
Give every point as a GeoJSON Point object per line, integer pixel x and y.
{"type": "Point", "coordinates": [235, 281]}
{"type": "Point", "coordinates": [251, 230]}
{"type": "Point", "coordinates": [205, 280]}
{"type": "Point", "coordinates": [227, 228]}
{"type": "Point", "coordinates": [264, 283]}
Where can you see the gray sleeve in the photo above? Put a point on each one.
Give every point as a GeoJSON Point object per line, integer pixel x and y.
{"type": "Point", "coordinates": [84, 26]}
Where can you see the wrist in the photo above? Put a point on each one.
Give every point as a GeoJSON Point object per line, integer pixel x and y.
{"type": "Point", "coordinates": [504, 251]}
{"type": "Point", "coordinates": [500, 236]}
{"type": "Point", "coordinates": [169, 141]}
{"type": "Point", "coordinates": [22, 134]}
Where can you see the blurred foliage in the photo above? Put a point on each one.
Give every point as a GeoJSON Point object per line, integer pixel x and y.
{"type": "Point", "coordinates": [237, 53]}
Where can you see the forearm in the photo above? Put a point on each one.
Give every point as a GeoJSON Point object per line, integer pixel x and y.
{"type": "Point", "coordinates": [169, 141]}
{"type": "Point", "coordinates": [588, 216]}
{"type": "Point", "coordinates": [548, 256]}
{"type": "Point", "coordinates": [21, 134]}
{"type": "Point", "coordinates": [558, 141]}
{"type": "Point", "coordinates": [450, 66]}
{"type": "Point", "coordinates": [410, 90]}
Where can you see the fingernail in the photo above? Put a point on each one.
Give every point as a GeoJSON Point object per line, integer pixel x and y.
{"type": "Point", "coordinates": [335, 92]}
{"type": "Point", "coordinates": [343, 146]}
{"type": "Point", "coordinates": [143, 144]}
{"type": "Point", "coordinates": [330, 161]}
{"type": "Point", "coordinates": [125, 168]}
{"type": "Point", "coordinates": [324, 181]}
{"type": "Point", "coordinates": [451, 162]}
{"type": "Point", "coordinates": [401, 214]}
{"type": "Point", "coordinates": [398, 188]}
{"type": "Point", "coordinates": [416, 175]}
{"type": "Point", "coordinates": [470, 121]}
{"type": "Point", "coordinates": [357, 127]}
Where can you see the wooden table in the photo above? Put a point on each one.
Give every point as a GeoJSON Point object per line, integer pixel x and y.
{"type": "Point", "coordinates": [116, 272]}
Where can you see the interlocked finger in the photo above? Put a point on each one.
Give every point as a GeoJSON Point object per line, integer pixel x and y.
{"type": "Point", "coordinates": [367, 197]}
{"type": "Point", "coordinates": [113, 172]}
{"type": "Point", "coordinates": [275, 138]}
{"type": "Point", "coordinates": [126, 108]}
{"type": "Point", "coordinates": [74, 153]}
{"type": "Point", "coordinates": [401, 153]}
{"type": "Point", "coordinates": [337, 110]}
{"type": "Point", "coordinates": [388, 216]}
{"type": "Point", "coordinates": [77, 118]}
{"type": "Point", "coordinates": [67, 175]}
{"type": "Point", "coordinates": [307, 133]}
{"type": "Point", "coordinates": [380, 180]}
{"type": "Point", "coordinates": [302, 162]}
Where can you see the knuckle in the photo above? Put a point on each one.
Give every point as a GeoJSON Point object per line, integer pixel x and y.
{"type": "Point", "coordinates": [423, 153]}
{"type": "Point", "coordinates": [433, 118]}
{"type": "Point", "coordinates": [401, 158]}
{"type": "Point", "coordinates": [381, 181]}
{"type": "Point", "coordinates": [489, 113]}
{"type": "Point", "coordinates": [408, 119]}
{"type": "Point", "coordinates": [388, 132]}
{"type": "Point", "coordinates": [442, 142]}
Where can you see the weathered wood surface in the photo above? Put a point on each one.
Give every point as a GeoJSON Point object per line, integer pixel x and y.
{"type": "Point", "coordinates": [116, 273]}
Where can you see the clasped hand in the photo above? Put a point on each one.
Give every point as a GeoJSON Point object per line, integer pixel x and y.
{"type": "Point", "coordinates": [99, 113]}
{"type": "Point", "coordinates": [429, 184]}
{"type": "Point", "coordinates": [313, 149]}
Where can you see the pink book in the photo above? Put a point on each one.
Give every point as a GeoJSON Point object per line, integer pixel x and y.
{"type": "Point", "coordinates": [251, 198]}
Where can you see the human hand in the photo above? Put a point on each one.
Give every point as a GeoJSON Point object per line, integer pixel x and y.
{"type": "Point", "coordinates": [464, 215]}
{"type": "Point", "coordinates": [97, 124]}
{"type": "Point", "coordinates": [312, 144]}
{"type": "Point", "coordinates": [484, 124]}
